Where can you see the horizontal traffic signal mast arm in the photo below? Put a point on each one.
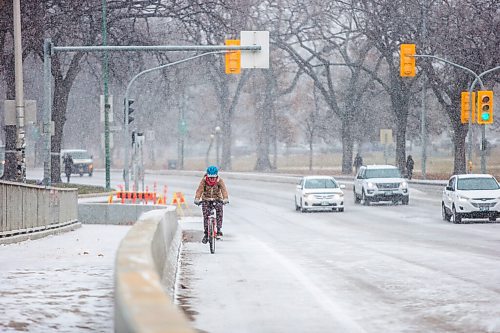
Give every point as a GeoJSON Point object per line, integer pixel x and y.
{"type": "Point", "coordinates": [157, 48]}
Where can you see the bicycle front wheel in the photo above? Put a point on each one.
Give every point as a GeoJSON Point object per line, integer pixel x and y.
{"type": "Point", "coordinates": [212, 236]}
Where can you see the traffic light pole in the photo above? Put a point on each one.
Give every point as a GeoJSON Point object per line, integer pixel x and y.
{"type": "Point", "coordinates": [126, 170]}
{"type": "Point", "coordinates": [483, 127]}
{"type": "Point", "coordinates": [49, 49]}
{"type": "Point", "coordinates": [477, 78]}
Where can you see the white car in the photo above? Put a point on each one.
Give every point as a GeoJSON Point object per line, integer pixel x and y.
{"type": "Point", "coordinates": [376, 183]}
{"type": "Point", "coordinates": [319, 192]}
{"type": "Point", "coordinates": [471, 196]}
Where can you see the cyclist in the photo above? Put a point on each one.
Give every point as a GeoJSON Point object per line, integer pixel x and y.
{"type": "Point", "coordinates": [212, 193]}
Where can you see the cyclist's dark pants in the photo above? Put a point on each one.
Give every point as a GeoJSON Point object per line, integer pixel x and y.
{"type": "Point", "coordinates": [206, 207]}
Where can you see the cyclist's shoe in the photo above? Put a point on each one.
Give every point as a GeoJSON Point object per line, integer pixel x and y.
{"type": "Point", "coordinates": [219, 233]}
{"type": "Point", "coordinates": [205, 239]}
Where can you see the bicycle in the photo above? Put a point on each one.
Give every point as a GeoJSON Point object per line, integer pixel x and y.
{"type": "Point", "coordinates": [212, 228]}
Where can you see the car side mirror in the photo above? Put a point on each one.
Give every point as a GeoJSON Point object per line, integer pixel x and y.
{"type": "Point", "coordinates": [342, 186]}
{"type": "Point", "coordinates": [449, 188]}
{"type": "Point", "coordinates": [299, 187]}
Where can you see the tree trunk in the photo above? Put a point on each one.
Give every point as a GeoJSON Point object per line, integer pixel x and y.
{"type": "Point", "coordinates": [226, 141]}
{"type": "Point", "coordinates": [311, 154]}
{"type": "Point", "coordinates": [459, 135]}
{"type": "Point", "coordinates": [60, 102]}
{"type": "Point", "coordinates": [263, 162]}
{"type": "Point", "coordinates": [347, 145]}
{"type": "Point", "coordinates": [401, 120]}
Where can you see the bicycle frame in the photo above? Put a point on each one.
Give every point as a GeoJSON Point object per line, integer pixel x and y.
{"type": "Point", "coordinates": [212, 229]}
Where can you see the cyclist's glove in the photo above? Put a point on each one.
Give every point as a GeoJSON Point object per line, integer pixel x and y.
{"type": "Point", "coordinates": [225, 201]}
{"type": "Point", "coordinates": [197, 202]}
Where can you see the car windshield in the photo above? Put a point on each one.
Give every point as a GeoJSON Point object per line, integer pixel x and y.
{"type": "Point", "coordinates": [320, 183]}
{"type": "Point", "coordinates": [382, 173]}
{"type": "Point", "coordinates": [471, 184]}
{"type": "Point", "coordinates": [80, 155]}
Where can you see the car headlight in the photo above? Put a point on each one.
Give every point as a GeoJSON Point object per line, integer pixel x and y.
{"type": "Point", "coordinates": [370, 185]}
{"type": "Point", "coordinates": [462, 198]}
{"type": "Point", "coordinates": [310, 196]}
{"type": "Point", "coordinates": [403, 185]}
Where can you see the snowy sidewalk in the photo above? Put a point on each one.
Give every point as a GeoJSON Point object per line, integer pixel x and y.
{"type": "Point", "coordinates": [60, 283]}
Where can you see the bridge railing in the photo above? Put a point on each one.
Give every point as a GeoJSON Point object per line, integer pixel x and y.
{"type": "Point", "coordinates": [29, 208]}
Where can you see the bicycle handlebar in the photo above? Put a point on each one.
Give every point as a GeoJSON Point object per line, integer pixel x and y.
{"type": "Point", "coordinates": [218, 201]}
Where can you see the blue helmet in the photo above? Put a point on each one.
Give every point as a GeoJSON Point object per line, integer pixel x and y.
{"type": "Point", "coordinates": [212, 171]}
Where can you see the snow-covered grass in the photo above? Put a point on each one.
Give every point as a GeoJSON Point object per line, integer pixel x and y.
{"type": "Point", "coordinates": [60, 283]}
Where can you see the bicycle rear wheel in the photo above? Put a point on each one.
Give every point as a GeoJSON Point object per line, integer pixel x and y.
{"type": "Point", "coordinates": [211, 235]}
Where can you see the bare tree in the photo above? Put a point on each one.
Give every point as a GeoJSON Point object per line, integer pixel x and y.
{"type": "Point", "coordinates": [465, 32]}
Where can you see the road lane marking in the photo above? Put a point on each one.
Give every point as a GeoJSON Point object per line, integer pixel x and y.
{"type": "Point", "coordinates": [347, 325]}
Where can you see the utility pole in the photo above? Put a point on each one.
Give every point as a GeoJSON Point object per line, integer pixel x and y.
{"type": "Point", "coordinates": [105, 62]}
{"type": "Point", "coordinates": [20, 130]}
{"type": "Point", "coordinates": [424, 92]}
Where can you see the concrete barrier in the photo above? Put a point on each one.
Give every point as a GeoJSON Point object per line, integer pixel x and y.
{"type": "Point", "coordinates": [145, 269]}
{"type": "Point", "coordinates": [104, 213]}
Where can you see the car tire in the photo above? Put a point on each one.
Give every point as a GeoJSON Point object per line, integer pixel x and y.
{"type": "Point", "coordinates": [492, 219]}
{"type": "Point", "coordinates": [457, 217]}
{"type": "Point", "coordinates": [364, 199]}
{"type": "Point", "coordinates": [444, 214]}
{"type": "Point", "coordinates": [405, 201]}
{"type": "Point", "coordinates": [356, 198]}
{"type": "Point", "coordinates": [302, 209]}
{"type": "Point", "coordinates": [297, 208]}
{"type": "Point", "coordinates": [341, 209]}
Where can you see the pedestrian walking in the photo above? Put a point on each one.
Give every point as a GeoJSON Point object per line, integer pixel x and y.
{"type": "Point", "coordinates": [358, 162]}
{"type": "Point", "coordinates": [409, 166]}
{"type": "Point", "coordinates": [68, 166]}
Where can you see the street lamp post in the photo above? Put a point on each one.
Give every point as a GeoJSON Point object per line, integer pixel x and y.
{"type": "Point", "coordinates": [217, 145]}
{"type": "Point", "coordinates": [207, 160]}
{"type": "Point", "coordinates": [19, 88]}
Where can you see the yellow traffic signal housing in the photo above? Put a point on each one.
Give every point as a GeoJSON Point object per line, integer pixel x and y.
{"type": "Point", "coordinates": [485, 107]}
{"type": "Point", "coordinates": [407, 60]}
{"type": "Point", "coordinates": [464, 116]}
{"type": "Point", "coordinates": [233, 58]}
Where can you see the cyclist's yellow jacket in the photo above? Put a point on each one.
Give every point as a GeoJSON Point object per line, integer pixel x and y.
{"type": "Point", "coordinates": [207, 192]}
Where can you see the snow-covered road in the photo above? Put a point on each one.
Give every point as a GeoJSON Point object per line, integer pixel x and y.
{"type": "Point", "coordinates": [380, 268]}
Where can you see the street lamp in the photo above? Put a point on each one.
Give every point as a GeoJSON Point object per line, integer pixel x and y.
{"type": "Point", "coordinates": [217, 144]}
{"type": "Point", "coordinates": [208, 150]}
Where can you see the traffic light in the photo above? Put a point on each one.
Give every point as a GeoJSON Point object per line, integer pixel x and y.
{"type": "Point", "coordinates": [407, 60]}
{"type": "Point", "coordinates": [130, 110]}
{"type": "Point", "coordinates": [485, 107]}
{"type": "Point", "coordinates": [233, 58]}
{"type": "Point", "coordinates": [464, 116]}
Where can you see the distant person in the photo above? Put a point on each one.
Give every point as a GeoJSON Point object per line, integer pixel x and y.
{"type": "Point", "coordinates": [358, 162]}
{"type": "Point", "coordinates": [409, 166]}
{"type": "Point", "coordinates": [68, 166]}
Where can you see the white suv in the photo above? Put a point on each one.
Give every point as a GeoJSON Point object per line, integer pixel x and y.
{"type": "Point", "coordinates": [471, 196]}
{"type": "Point", "coordinates": [376, 183]}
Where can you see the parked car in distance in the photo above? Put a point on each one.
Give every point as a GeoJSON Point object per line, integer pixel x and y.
{"type": "Point", "coordinates": [376, 183]}
{"type": "Point", "coordinates": [319, 192]}
{"type": "Point", "coordinates": [471, 196]}
{"type": "Point", "coordinates": [83, 162]}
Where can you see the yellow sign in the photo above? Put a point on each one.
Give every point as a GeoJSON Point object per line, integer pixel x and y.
{"type": "Point", "coordinates": [386, 136]}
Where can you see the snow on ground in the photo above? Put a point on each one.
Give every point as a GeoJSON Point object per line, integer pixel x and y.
{"type": "Point", "coordinates": [60, 283]}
